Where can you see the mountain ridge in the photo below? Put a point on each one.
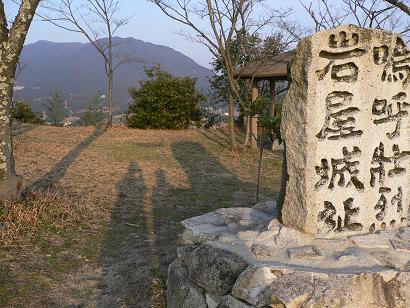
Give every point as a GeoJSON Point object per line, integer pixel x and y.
{"type": "Point", "coordinates": [78, 71]}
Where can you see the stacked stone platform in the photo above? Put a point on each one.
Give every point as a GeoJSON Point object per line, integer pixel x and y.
{"type": "Point", "coordinates": [243, 257]}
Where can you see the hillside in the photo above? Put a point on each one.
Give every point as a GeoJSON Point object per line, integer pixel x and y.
{"type": "Point", "coordinates": [108, 236]}
{"type": "Point", "coordinates": [78, 70]}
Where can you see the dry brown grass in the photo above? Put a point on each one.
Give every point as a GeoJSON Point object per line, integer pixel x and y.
{"type": "Point", "coordinates": [38, 212]}
{"type": "Point", "coordinates": [107, 237]}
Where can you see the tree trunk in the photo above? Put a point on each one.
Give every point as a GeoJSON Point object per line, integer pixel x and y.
{"type": "Point", "coordinates": [258, 182]}
{"type": "Point", "coordinates": [247, 130]}
{"type": "Point", "coordinates": [110, 75]}
{"type": "Point", "coordinates": [9, 182]}
{"type": "Point", "coordinates": [110, 98]}
{"type": "Point", "coordinates": [11, 44]}
{"type": "Point", "coordinates": [232, 137]}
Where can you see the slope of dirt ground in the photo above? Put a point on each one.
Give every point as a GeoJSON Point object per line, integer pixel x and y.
{"type": "Point", "coordinates": [136, 187]}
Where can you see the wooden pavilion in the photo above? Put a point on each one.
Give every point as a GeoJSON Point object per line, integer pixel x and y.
{"type": "Point", "coordinates": [272, 70]}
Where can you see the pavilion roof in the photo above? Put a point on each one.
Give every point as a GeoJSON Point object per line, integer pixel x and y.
{"type": "Point", "coordinates": [273, 68]}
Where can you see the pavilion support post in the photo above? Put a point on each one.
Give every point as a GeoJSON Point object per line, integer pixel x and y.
{"type": "Point", "coordinates": [232, 138]}
{"type": "Point", "coordinates": [272, 97]}
{"type": "Point", "coordinates": [272, 105]}
{"type": "Point", "coordinates": [254, 119]}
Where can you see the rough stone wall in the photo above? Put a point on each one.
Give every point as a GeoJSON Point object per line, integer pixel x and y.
{"type": "Point", "coordinates": [237, 258]}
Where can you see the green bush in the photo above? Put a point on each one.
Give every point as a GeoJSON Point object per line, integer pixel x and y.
{"type": "Point", "coordinates": [22, 112]}
{"type": "Point", "coordinates": [164, 102]}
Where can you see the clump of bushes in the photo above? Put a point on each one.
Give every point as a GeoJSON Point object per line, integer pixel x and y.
{"type": "Point", "coordinates": [164, 102]}
{"type": "Point", "coordinates": [22, 112]}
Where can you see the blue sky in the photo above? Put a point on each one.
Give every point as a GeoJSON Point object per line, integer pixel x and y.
{"type": "Point", "coordinates": [148, 24]}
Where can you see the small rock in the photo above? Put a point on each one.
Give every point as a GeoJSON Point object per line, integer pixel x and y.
{"type": "Point", "coordinates": [214, 268]}
{"type": "Point", "coordinates": [287, 291]}
{"type": "Point", "coordinates": [305, 252]}
{"type": "Point", "coordinates": [261, 250]}
{"type": "Point", "coordinates": [371, 241]}
{"type": "Point", "coordinates": [252, 282]}
{"type": "Point", "coordinates": [400, 245]}
{"type": "Point", "coordinates": [180, 292]}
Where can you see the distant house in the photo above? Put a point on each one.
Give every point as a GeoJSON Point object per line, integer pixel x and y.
{"type": "Point", "coordinates": [71, 120]}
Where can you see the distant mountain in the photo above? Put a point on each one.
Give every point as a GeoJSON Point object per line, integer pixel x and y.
{"type": "Point", "coordinates": [78, 70]}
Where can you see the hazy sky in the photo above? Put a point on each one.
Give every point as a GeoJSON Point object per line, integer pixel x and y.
{"type": "Point", "coordinates": [148, 24]}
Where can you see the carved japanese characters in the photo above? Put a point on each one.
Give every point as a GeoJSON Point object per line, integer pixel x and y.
{"type": "Point", "coordinates": [346, 127]}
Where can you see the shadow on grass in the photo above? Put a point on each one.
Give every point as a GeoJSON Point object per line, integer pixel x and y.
{"type": "Point", "coordinates": [55, 175]}
{"type": "Point", "coordinates": [213, 137]}
{"type": "Point", "coordinates": [140, 241]}
{"type": "Point", "coordinates": [124, 257]}
{"type": "Point", "coordinates": [21, 128]}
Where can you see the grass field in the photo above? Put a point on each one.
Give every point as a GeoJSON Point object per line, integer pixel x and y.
{"type": "Point", "coordinates": [111, 203]}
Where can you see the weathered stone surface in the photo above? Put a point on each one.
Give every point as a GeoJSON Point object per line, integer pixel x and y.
{"type": "Point", "coordinates": [232, 302]}
{"type": "Point", "coordinates": [351, 256]}
{"type": "Point", "coordinates": [232, 222]}
{"type": "Point", "coordinates": [345, 122]}
{"type": "Point", "coordinates": [252, 282]}
{"type": "Point", "coordinates": [371, 241]}
{"type": "Point", "coordinates": [213, 301]}
{"type": "Point", "coordinates": [298, 288]}
{"type": "Point", "coordinates": [181, 293]}
{"type": "Point", "coordinates": [401, 245]}
{"type": "Point", "coordinates": [388, 260]}
{"type": "Point", "coordinates": [288, 290]}
{"type": "Point", "coordinates": [305, 252]}
{"type": "Point", "coordinates": [262, 250]}
{"type": "Point", "coordinates": [405, 234]}
{"type": "Point", "coordinates": [265, 274]}
{"type": "Point", "coordinates": [288, 237]}
{"type": "Point", "coordinates": [213, 268]}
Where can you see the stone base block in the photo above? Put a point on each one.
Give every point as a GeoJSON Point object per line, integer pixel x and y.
{"type": "Point", "coordinates": [240, 257]}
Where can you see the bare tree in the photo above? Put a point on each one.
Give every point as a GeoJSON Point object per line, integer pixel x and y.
{"type": "Point", "coordinates": [12, 38]}
{"type": "Point", "coordinates": [400, 5]}
{"type": "Point", "coordinates": [380, 14]}
{"type": "Point", "coordinates": [225, 22]}
{"type": "Point", "coordinates": [98, 21]}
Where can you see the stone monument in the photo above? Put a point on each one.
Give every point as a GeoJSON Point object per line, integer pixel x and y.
{"type": "Point", "coordinates": [344, 237]}
{"type": "Point", "coordinates": [347, 131]}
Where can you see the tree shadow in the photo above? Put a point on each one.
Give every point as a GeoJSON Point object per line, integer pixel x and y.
{"type": "Point", "coordinates": [21, 129]}
{"type": "Point", "coordinates": [221, 142]}
{"type": "Point", "coordinates": [51, 178]}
